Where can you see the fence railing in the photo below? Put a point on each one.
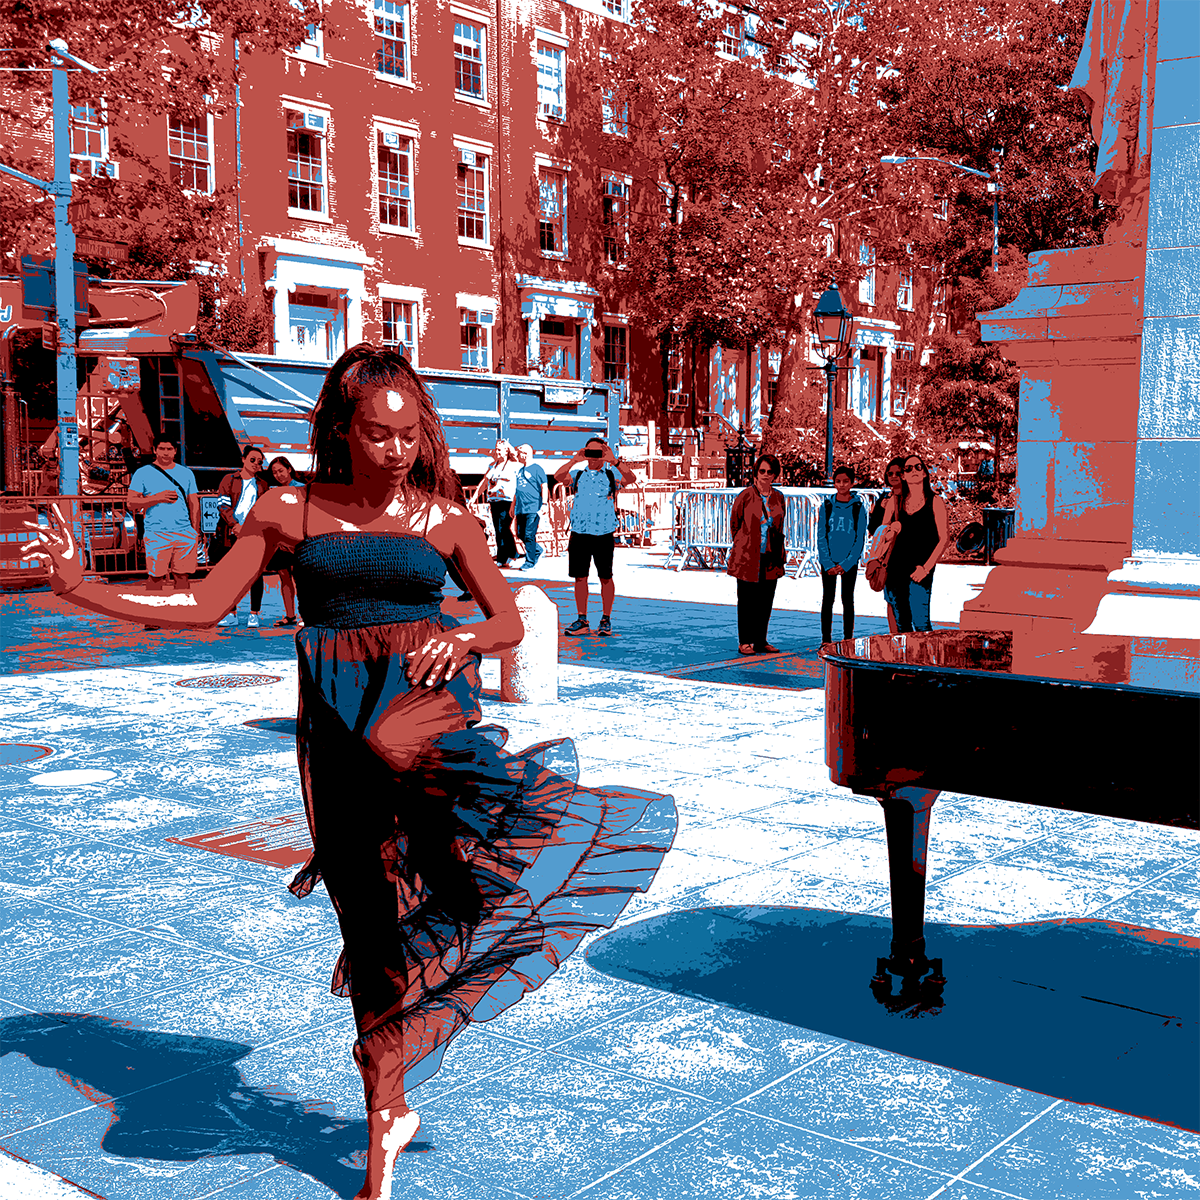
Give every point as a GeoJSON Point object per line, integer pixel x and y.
{"type": "Point", "coordinates": [701, 534]}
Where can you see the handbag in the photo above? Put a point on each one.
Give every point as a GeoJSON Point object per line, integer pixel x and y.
{"type": "Point", "coordinates": [877, 558]}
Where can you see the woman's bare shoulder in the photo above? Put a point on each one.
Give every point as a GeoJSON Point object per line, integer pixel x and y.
{"type": "Point", "coordinates": [281, 509]}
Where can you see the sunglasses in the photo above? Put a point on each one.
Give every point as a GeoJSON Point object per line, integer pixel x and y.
{"type": "Point", "coordinates": [766, 471]}
{"type": "Point", "coordinates": [914, 467]}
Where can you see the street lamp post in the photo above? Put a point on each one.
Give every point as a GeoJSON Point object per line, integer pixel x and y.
{"type": "Point", "coordinates": [993, 186]}
{"type": "Point", "coordinates": [832, 325]}
{"type": "Point", "coordinates": [67, 382]}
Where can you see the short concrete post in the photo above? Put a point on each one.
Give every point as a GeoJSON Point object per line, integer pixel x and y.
{"type": "Point", "coordinates": [529, 671]}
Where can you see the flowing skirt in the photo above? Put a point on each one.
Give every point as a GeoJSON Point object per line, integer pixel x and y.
{"type": "Point", "coordinates": [462, 876]}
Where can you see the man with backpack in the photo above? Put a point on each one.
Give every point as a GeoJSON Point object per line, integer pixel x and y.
{"type": "Point", "coordinates": [593, 526]}
{"type": "Point", "coordinates": [841, 531]}
{"type": "Point", "coordinates": [168, 494]}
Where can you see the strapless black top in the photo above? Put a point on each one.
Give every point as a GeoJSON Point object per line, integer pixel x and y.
{"type": "Point", "coordinates": [352, 580]}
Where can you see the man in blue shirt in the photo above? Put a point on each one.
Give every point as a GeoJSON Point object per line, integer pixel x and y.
{"type": "Point", "coordinates": [171, 501]}
{"type": "Point", "coordinates": [532, 492]}
{"type": "Point", "coordinates": [841, 531]}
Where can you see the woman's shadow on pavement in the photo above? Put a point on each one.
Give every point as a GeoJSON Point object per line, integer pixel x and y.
{"type": "Point", "coordinates": [182, 1098]}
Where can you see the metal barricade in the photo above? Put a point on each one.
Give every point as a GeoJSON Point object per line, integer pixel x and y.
{"type": "Point", "coordinates": [701, 535]}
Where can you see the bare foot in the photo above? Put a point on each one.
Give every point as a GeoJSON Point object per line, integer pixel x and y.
{"type": "Point", "coordinates": [388, 1131]}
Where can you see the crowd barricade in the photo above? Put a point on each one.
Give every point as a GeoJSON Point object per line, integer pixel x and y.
{"type": "Point", "coordinates": [101, 525]}
{"type": "Point", "coordinates": [701, 534]}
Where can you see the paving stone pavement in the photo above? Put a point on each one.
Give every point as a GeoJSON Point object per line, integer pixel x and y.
{"type": "Point", "coordinates": [166, 1028]}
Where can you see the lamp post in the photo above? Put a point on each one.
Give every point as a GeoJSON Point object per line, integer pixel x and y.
{"type": "Point", "coordinates": [832, 325]}
{"type": "Point", "coordinates": [993, 186]}
{"type": "Point", "coordinates": [67, 383]}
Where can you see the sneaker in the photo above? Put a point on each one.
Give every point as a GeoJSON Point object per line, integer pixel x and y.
{"type": "Point", "coordinates": [252, 623]}
{"type": "Point", "coordinates": [229, 621]}
{"type": "Point", "coordinates": [580, 626]}
{"type": "Point", "coordinates": [605, 627]}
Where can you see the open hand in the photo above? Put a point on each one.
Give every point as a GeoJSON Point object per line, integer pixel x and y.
{"type": "Point", "coordinates": [57, 546]}
{"type": "Point", "coordinates": [440, 658]}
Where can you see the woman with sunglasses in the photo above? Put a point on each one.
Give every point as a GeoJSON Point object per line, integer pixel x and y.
{"type": "Point", "coordinates": [918, 518]}
{"type": "Point", "coordinates": [894, 478]}
{"type": "Point", "coordinates": [757, 554]}
{"type": "Point", "coordinates": [461, 875]}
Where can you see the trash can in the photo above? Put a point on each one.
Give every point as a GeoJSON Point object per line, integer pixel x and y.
{"type": "Point", "coordinates": [999, 524]}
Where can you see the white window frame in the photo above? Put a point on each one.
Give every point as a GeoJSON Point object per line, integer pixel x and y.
{"type": "Point", "coordinates": [607, 324]}
{"type": "Point", "coordinates": [389, 136]}
{"type": "Point", "coordinates": [404, 294]}
{"type": "Point", "coordinates": [211, 162]}
{"type": "Point", "coordinates": [608, 120]}
{"type": "Point", "coordinates": [904, 290]}
{"type": "Point", "coordinates": [486, 325]}
{"type": "Point", "coordinates": [542, 163]}
{"type": "Point", "coordinates": [617, 10]}
{"type": "Point", "coordinates": [312, 48]}
{"type": "Point", "coordinates": [866, 285]}
{"type": "Point", "coordinates": [378, 12]}
{"type": "Point", "coordinates": [93, 161]}
{"type": "Point", "coordinates": [735, 23]}
{"type": "Point", "coordinates": [941, 208]}
{"type": "Point", "coordinates": [464, 149]}
{"type": "Point", "coordinates": [625, 181]}
{"type": "Point", "coordinates": [312, 113]}
{"type": "Point", "coordinates": [414, 319]}
{"type": "Point", "coordinates": [464, 16]}
{"type": "Point", "coordinates": [547, 111]}
{"type": "Point", "coordinates": [902, 390]}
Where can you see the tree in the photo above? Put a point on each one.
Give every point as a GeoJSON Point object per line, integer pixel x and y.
{"type": "Point", "coordinates": [180, 60]}
{"type": "Point", "coordinates": [756, 135]}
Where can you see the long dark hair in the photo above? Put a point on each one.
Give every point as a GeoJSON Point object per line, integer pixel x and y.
{"type": "Point", "coordinates": [904, 492]}
{"type": "Point", "coordinates": [898, 461]}
{"type": "Point", "coordinates": [361, 369]}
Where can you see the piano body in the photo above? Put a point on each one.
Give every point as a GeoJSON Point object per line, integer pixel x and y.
{"type": "Point", "coordinates": [1113, 730]}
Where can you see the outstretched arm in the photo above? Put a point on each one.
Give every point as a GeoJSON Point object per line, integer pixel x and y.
{"type": "Point", "coordinates": [205, 604]}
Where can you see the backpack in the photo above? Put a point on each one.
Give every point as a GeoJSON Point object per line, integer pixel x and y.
{"type": "Point", "coordinates": [612, 482]}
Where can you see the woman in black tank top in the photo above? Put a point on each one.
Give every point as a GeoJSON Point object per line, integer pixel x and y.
{"type": "Point", "coordinates": [918, 517]}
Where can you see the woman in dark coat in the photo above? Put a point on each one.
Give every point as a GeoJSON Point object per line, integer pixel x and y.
{"type": "Point", "coordinates": [756, 557]}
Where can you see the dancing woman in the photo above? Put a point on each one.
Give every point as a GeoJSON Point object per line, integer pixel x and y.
{"type": "Point", "coordinates": [461, 875]}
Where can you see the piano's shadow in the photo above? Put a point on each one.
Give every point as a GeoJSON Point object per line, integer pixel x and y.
{"type": "Point", "coordinates": [1089, 1011]}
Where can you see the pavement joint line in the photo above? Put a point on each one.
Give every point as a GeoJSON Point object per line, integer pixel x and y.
{"type": "Point", "coordinates": [961, 1176]}
{"type": "Point", "coordinates": [720, 1112]}
{"type": "Point", "coordinates": [607, 1067]}
{"type": "Point", "coordinates": [239, 1182]}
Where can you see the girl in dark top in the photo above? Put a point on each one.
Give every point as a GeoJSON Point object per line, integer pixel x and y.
{"type": "Point", "coordinates": [461, 875]}
{"type": "Point", "coordinates": [918, 518]}
{"type": "Point", "coordinates": [894, 478]}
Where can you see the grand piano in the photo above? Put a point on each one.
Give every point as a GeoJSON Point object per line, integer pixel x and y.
{"type": "Point", "coordinates": [1106, 726]}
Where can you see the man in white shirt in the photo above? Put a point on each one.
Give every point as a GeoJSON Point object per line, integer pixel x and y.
{"type": "Point", "coordinates": [593, 526]}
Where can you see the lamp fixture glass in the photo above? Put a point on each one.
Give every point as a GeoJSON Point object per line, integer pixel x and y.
{"type": "Point", "coordinates": [831, 323]}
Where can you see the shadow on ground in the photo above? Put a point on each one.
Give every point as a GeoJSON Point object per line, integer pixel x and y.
{"type": "Point", "coordinates": [182, 1098]}
{"type": "Point", "coordinates": [1089, 1011]}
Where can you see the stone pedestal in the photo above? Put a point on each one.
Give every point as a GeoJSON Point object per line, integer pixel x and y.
{"type": "Point", "coordinates": [529, 671]}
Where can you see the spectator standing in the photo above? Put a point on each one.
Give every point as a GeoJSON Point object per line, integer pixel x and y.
{"type": "Point", "coordinates": [500, 482]}
{"type": "Point", "coordinates": [918, 518]}
{"type": "Point", "coordinates": [532, 492]}
{"type": "Point", "coordinates": [841, 534]}
{"type": "Point", "coordinates": [236, 494]}
{"type": "Point", "coordinates": [894, 477]}
{"type": "Point", "coordinates": [172, 520]}
{"type": "Point", "coordinates": [593, 526]}
{"type": "Point", "coordinates": [756, 557]}
{"type": "Point", "coordinates": [283, 474]}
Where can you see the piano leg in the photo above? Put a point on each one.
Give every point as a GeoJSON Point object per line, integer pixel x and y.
{"type": "Point", "coordinates": [906, 819]}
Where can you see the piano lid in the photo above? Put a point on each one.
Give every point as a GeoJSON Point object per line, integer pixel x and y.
{"type": "Point", "coordinates": [1149, 664]}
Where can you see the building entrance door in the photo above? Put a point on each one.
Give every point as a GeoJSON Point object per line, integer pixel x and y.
{"type": "Point", "coordinates": [559, 343]}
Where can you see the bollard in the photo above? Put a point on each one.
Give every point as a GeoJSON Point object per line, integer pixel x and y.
{"type": "Point", "coordinates": [529, 671]}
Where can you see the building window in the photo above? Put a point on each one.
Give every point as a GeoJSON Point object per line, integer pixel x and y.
{"type": "Point", "coordinates": [313, 46]}
{"type": "Point", "coordinates": [866, 285]}
{"type": "Point", "coordinates": [468, 60]}
{"type": "Point", "coordinates": [399, 326]}
{"type": "Point", "coordinates": [616, 358]}
{"type": "Point", "coordinates": [902, 367]}
{"type": "Point", "coordinates": [941, 207]}
{"type": "Point", "coordinates": [615, 8]}
{"type": "Point", "coordinates": [89, 141]}
{"type": "Point", "coordinates": [939, 320]}
{"type": "Point", "coordinates": [472, 196]}
{"type": "Point", "coordinates": [904, 293]}
{"type": "Point", "coordinates": [551, 70]}
{"type": "Point", "coordinates": [190, 153]}
{"type": "Point", "coordinates": [395, 180]}
{"type": "Point", "coordinates": [306, 162]}
{"type": "Point", "coordinates": [615, 111]}
{"type": "Point", "coordinates": [391, 47]}
{"type": "Point", "coordinates": [730, 39]}
{"type": "Point", "coordinates": [473, 332]}
{"type": "Point", "coordinates": [552, 223]}
{"type": "Point", "coordinates": [616, 220]}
